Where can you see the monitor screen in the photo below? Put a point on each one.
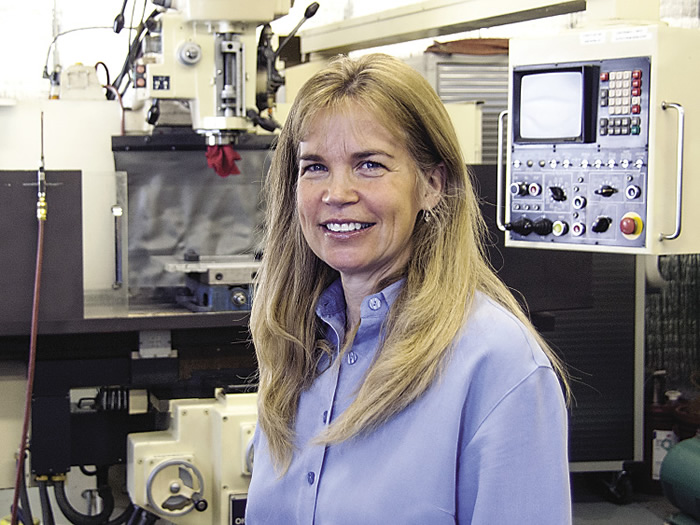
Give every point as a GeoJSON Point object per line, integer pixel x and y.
{"type": "Point", "coordinates": [551, 105]}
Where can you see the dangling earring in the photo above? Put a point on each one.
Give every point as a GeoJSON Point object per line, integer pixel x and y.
{"type": "Point", "coordinates": [427, 215]}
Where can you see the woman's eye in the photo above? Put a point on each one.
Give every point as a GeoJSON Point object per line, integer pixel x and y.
{"type": "Point", "coordinates": [312, 169]}
{"type": "Point", "coordinates": [371, 166]}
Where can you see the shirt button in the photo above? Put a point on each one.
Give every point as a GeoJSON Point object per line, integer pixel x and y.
{"type": "Point", "coordinates": [310, 477]}
{"type": "Point", "coordinates": [325, 416]}
{"type": "Point", "coordinates": [375, 303]}
{"type": "Point", "coordinates": [352, 358]}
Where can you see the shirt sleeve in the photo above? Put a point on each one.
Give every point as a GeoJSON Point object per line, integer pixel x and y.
{"type": "Point", "coordinates": [514, 469]}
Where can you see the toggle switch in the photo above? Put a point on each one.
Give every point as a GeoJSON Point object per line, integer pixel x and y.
{"type": "Point", "coordinates": [606, 191]}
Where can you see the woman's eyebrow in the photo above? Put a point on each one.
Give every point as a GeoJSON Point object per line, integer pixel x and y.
{"type": "Point", "coordinates": [370, 153]}
{"type": "Point", "coordinates": [311, 156]}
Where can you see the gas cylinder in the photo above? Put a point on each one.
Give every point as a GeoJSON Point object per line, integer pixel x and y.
{"type": "Point", "coordinates": [680, 476]}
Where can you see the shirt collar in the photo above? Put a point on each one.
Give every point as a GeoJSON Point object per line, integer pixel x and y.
{"type": "Point", "coordinates": [331, 303]}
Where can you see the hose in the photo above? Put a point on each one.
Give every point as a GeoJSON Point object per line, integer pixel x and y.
{"type": "Point", "coordinates": [46, 510]}
{"type": "Point", "coordinates": [24, 501]}
{"type": "Point", "coordinates": [31, 366]}
{"type": "Point", "coordinates": [103, 490]}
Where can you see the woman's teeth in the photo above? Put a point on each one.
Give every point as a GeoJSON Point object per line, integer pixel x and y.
{"type": "Point", "coordinates": [346, 226]}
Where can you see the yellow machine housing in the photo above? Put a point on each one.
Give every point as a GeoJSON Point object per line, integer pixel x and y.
{"type": "Point", "coordinates": [205, 52]}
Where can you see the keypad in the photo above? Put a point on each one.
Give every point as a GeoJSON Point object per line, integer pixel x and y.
{"type": "Point", "coordinates": [621, 95]}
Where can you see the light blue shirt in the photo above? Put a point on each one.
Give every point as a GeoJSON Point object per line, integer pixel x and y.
{"type": "Point", "coordinates": [486, 443]}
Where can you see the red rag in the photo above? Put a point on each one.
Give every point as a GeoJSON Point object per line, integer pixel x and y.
{"type": "Point", "coordinates": [223, 160]}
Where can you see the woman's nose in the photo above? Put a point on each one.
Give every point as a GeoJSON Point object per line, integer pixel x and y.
{"type": "Point", "coordinates": [340, 189]}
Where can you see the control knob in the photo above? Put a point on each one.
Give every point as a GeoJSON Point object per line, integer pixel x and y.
{"type": "Point", "coordinates": [239, 298]}
{"type": "Point", "coordinates": [557, 193]}
{"type": "Point", "coordinates": [625, 163]}
{"type": "Point", "coordinates": [598, 163]}
{"type": "Point", "coordinates": [601, 224]}
{"type": "Point", "coordinates": [542, 226]}
{"type": "Point", "coordinates": [566, 163]}
{"type": "Point", "coordinates": [638, 164]}
{"type": "Point", "coordinates": [522, 226]}
{"type": "Point", "coordinates": [611, 163]}
{"type": "Point", "coordinates": [584, 163]}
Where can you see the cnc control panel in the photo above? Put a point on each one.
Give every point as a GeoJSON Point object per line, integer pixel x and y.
{"type": "Point", "coordinates": [579, 153]}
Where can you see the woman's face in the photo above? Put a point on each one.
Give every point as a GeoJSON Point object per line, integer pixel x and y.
{"type": "Point", "coordinates": [357, 195]}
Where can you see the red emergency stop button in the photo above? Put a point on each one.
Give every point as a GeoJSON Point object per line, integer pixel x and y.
{"type": "Point", "coordinates": [631, 226]}
{"type": "Point", "coordinates": [628, 226]}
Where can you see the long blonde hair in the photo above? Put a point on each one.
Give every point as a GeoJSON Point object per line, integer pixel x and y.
{"type": "Point", "coordinates": [447, 267]}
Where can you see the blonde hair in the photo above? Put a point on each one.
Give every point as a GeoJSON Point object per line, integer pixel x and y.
{"type": "Point", "coordinates": [447, 266]}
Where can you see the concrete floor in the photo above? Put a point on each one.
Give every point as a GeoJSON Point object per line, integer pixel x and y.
{"type": "Point", "coordinates": [592, 505]}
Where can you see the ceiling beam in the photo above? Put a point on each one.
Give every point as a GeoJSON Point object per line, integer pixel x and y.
{"type": "Point", "coordinates": [426, 20]}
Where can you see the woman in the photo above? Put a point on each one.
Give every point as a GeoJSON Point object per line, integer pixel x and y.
{"type": "Point", "coordinates": [399, 380]}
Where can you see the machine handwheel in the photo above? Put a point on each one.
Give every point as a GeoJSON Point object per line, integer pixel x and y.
{"type": "Point", "coordinates": [175, 487]}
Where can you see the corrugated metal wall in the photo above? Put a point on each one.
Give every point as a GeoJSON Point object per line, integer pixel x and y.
{"type": "Point", "coordinates": [469, 78]}
{"type": "Point", "coordinates": [464, 80]}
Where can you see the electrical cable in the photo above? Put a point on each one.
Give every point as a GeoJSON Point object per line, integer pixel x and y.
{"type": "Point", "coordinates": [46, 510]}
{"type": "Point", "coordinates": [21, 518]}
{"type": "Point", "coordinates": [24, 502]}
{"type": "Point", "coordinates": [103, 490]}
{"type": "Point", "coordinates": [53, 42]}
{"type": "Point", "coordinates": [126, 86]}
{"type": "Point", "coordinates": [141, 32]}
{"type": "Point", "coordinates": [118, 96]}
{"type": "Point", "coordinates": [104, 66]}
{"type": "Point", "coordinates": [41, 210]}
